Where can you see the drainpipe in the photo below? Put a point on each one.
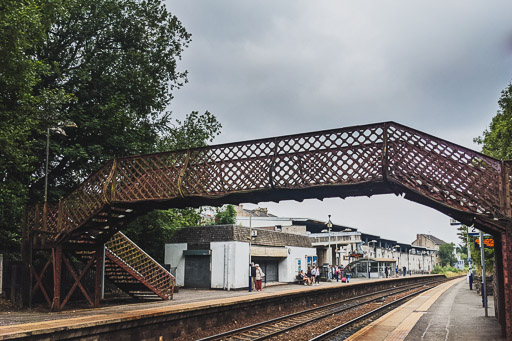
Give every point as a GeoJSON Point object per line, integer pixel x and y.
{"type": "Point", "coordinates": [225, 270]}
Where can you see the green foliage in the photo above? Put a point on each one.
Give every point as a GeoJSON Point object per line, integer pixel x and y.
{"type": "Point", "coordinates": [193, 132]}
{"type": "Point", "coordinates": [226, 215]}
{"type": "Point", "coordinates": [446, 255]}
{"type": "Point", "coordinates": [497, 140]}
{"type": "Point", "coordinates": [462, 248]}
{"type": "Point", "coordinates": [116, 61]}
{"type": "Point", "coordinates": [477, 258]}
{"type": "Point", "coordinates": [151, 231]}
{"type": "Point", "coordinates": [22, 29]}
{"type": "Point", "coordinates": [448, 271]}
{"type": "Point", "coordinates": [108, 66]}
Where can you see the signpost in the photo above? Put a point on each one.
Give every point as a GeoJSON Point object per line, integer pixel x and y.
{"type": "Point", "coordinates": [484, 282]}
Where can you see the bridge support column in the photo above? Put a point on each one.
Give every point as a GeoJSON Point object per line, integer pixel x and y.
{"type": "Point", "coordinates": [99, 256]}
{"type": "Point", "coordinates": [506, 255]}
{"type": "Point", "coordinates": [57, 276]}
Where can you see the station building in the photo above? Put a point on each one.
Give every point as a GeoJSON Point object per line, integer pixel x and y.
{"type": "Point", "coordinates": [218, 256]}
{"type": "Point", "coordinates": [366, 254]}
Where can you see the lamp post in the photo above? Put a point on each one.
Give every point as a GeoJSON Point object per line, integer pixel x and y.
{"type": "Point", "coordinates": [423, 261]}
{"type": "Point", "coordinates": [57, 128]}
{"type": "Point", "coordinates": [329, 226]}
{"type": "Point", "coordinates": [398, 261]}
{"type": "Point", "coordinates": [408, 263]}
{"type": "Point", "coordinates": [250, 256]}
{"type": "Point", "coordinates": [368, 257]}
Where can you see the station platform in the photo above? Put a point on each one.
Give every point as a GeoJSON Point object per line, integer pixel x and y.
{"type": "Point", "coordinates": [449, 311]}
{"type": "Point", "coordinates": [411, 321]}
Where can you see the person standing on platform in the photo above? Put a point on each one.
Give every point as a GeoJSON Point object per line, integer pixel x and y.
{"type": "Point", "coordinates": [317, 275]}
{"type": "Point", "coordinates": [396, 271]}
{"type": "Point", "coordinates": [404, 271]}
{"type": "Point", "coordinates": [253, 275]}
{"type": "Point", "coordinates": [259, 277]}
{"type": "Point", "coordinates": [386, 271]}
{"type": "Point", "coordinates": [470, 279]}
{"type": "Point", "coordinates": [347, 270]}
{"type": "Point", "coordinates": [310, 275]}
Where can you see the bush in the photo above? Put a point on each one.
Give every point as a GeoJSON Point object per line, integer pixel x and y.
{"type": "Point", "coordinates": [448, 271]}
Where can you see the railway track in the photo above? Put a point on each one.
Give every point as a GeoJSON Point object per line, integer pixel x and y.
{"type": "Point", "coordinates": [273, 328]}
{"type": "Point", "coordinates": [340, 332]}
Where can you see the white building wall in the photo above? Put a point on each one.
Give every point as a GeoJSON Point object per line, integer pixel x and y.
{"type": "Point", "coordinates": [230, 265]}
{"type": "Point", "coordinates": [288, 267]}
{"type": "Point", "coordinates": [174, 257]}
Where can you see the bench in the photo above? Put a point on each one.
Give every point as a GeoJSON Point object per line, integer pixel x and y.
{"type": "Point", "coordinates": [299, 280]}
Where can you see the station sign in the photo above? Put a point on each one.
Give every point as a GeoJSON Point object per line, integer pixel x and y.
{"type": "Point", "coordinates": [356, 255]}
{"type": "Point", "coordinates": [473, 232]}
{"type": "Point", "coordinates": [488, 242]}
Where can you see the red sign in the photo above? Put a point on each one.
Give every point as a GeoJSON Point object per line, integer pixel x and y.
{"type": "Point", "coordinates": [356, 255]}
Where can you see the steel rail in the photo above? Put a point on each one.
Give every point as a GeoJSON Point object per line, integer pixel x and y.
{"type": "Point", "coordinates": [254, 331]}
{"type": "Point", "coordinates": [337, 329]}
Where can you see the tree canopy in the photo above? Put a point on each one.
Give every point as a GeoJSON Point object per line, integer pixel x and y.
{"type": "Point", "coordinates": [446, 255]}
{"type": "Point", "coordinates": [108, 66]}
{"type": "Point", "coordinates": [226, 215]}
{"type": "Point", "coordinates": [497, 140]}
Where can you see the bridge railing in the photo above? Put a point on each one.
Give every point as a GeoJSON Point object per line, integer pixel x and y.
{"type": "Point", "coordinates": [450, 174]}
{"type": "Point", "coordinates": [453, 175]}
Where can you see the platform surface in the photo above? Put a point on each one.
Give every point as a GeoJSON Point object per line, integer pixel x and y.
{"type": "Point", "coordinates": [416, 321]}
{"type": "Point", "coordinates": [447, 312]}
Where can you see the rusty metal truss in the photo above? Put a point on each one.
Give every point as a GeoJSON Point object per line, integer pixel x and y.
{"type": "Point", "coordinates": [142, 269]}
{"type": "Point", "coordinates": [361, 160]}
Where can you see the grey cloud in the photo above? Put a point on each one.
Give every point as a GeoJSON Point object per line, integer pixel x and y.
{"type": "Point", "coordinates": [271, 68]}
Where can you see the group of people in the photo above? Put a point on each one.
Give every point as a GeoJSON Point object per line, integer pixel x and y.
{"type": "Point", "coordinates": [311, 277]}
{"type": "Point", "coordinates": [256, 276]}
{"type": "Point", "coordinates": [339, 273]}
{"type": "Point", "coordinates": [388, 271]}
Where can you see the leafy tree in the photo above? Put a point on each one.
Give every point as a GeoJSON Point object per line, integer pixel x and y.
{"type": "Point", "coordinates": [152, 230]}
{"type": "Point", "coordinates": [22, 29]}
{"type": "Point", "coordinates": [226, 216]}
{"type": "Point", "coordinates": [476, 257]}
{"type": "Point", "coordinates": [446, 255]}
{"type": "Point", "coordinates": [109, 66]}
{"type": "Point", "coordinates": [117, 62]}
{"type": "Point", "coordinates": [497, 140]}
{"type": "Point", "coordinates": [462, 248]}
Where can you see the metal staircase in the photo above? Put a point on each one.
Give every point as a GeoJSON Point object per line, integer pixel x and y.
{"type": "Point", "coordinates": [135, 272]}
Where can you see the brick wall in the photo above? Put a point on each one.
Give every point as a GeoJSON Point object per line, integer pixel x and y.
{"type": "Point", "coordinates": [217, 233]}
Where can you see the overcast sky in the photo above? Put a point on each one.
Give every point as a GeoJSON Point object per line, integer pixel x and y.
{"type": "Point", "coordinates": [271, 68]}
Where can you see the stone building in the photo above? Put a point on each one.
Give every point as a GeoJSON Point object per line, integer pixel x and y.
{"type": "Point", "coordinates": [428, 241]}
{"type": "Point", "coordinates": [218, 256]}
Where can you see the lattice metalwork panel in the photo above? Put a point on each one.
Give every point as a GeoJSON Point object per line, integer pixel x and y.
{"type": "Point", "coordinates": [141, 263]}
{"type": "Point", "coordinates": [343, 156]}
{"type": "Point", "coordinates": [76, 208]}
{"type": "Point", "coordinates": [150, 177]}
{"type": "Point", "coordinates": [450, 174]}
